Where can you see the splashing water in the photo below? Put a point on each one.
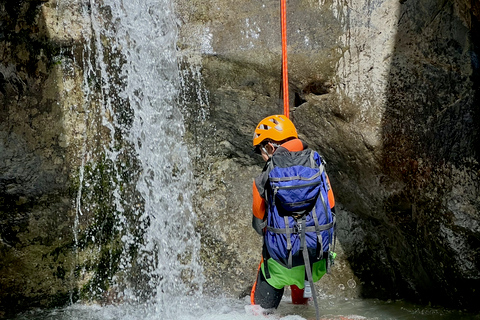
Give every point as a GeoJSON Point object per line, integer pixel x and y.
{"type": "Point", "coordinates": [134, 70]}
{"type": "Point", "coordinates": [147, 38]}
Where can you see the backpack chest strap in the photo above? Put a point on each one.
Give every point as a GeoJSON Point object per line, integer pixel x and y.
{"type": "Point", "coordinates": [296, 230]}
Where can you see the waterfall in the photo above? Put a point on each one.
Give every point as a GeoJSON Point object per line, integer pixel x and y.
{"type": "Point", "coordinates": [143, 223]}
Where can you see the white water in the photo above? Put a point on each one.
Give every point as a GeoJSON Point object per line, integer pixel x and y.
{"type": "Point", "coordinates": [145, 31]}
{"type": "Point", "coordinates": [130, 57]}
{"type": "Point", "coordinates": [237, 309]}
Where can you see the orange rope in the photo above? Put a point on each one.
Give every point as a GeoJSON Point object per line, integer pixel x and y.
{"type": "Point", "coordinates": [283, 9]}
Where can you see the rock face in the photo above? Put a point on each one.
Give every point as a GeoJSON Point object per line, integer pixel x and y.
{"type": "Point", "coordinates": [36, 257]}
{"type": "Point", "coordinates": [44, 127]}
{"type": "Point", "coordinates": [430, 153]}
{"type": "Point", "coordinates": [387, 91]}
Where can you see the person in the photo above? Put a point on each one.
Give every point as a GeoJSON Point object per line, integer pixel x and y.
{"type": "Point", "coordinates": [273, 136]}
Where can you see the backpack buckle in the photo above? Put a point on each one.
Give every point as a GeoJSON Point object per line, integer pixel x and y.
{"type": "Point", "coordinates": [298, 228]}
{"type": "Point", "coordinates": [294, 230]}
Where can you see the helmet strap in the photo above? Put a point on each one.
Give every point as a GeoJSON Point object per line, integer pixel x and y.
{"type": "Point", "coordinates": [266, 152]}
{"type": "Point", "coordinates": [273, 145]}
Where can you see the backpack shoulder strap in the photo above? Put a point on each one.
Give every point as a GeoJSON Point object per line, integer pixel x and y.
{"type": "Point", "coordinates": [262, 179]}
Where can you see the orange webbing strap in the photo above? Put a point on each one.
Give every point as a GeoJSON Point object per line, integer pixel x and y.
{"type": "Point", "coordinates": [283, 11]}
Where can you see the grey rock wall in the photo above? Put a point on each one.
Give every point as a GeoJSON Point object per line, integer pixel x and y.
{"type": "Point", "coordinates": [45, 127]}
{"type": "Point", "coordinates": [36, 257]}
{"type": "Point", "coordinates": [387, 91]}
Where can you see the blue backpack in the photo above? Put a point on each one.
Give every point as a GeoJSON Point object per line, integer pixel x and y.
{"type": "Point", "coordinates": [299, 218]}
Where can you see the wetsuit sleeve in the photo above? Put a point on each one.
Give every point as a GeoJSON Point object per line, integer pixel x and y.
{"type": "Point", "coordinates": [258, 208]}
{"type": "Point", "coordinates": [331, 198]}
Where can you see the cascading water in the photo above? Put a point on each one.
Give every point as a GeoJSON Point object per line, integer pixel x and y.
{"type": "Point", "coordinates": [134, 70]}
{"type": "Point", "coordinates": [134, 229]}
{"type": "Point", "coordinates": [135, 219]}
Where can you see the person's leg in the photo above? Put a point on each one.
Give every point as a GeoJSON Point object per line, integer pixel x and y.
{"type": "Point", "coordinates": [264, 294]}
{"type": "Point", "coordinates": [297, 295]}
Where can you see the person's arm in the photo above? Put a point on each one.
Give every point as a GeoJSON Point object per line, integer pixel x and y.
{"type": "Point", "coordinates": [331, 198]}
{"type": "Point", "coordinates": [258, 209]}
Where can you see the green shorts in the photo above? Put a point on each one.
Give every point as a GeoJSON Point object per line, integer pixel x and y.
{"type": "Point", "coordinates": [281, 276]}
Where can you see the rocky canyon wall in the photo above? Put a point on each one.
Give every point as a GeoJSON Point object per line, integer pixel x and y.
{"type": "Point", "coordinates": [58, 211]}
{"type": "Point", "coordinates": [387, 91]}
{"type": "Point", "coordinates": [37, 158]}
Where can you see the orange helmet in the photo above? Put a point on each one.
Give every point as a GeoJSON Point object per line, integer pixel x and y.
{"type": "Point", "coordinates": [276, 128]}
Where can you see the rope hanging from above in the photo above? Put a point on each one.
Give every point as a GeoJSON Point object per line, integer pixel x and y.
{"type": "Point", "coordinates": [283, 11]}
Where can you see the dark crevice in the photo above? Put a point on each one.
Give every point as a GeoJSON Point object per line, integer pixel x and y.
{"type": "Point", "coordinates": [298, 99]}
{"type": "Point", "coordinates": [317, 87]}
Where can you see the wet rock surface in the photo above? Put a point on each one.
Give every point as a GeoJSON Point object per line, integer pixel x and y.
{"type": "Point", "coordinates": [388, 94]}
{"type": "Point", "coordinates": [35, 201]}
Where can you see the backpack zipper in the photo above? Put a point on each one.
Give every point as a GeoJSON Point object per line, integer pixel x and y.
{"type": "Point", "coordinates": [276, 188]}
